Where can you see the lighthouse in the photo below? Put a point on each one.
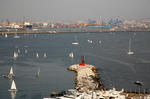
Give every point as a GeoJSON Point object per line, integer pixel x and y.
{"type": "Point", "coordinates": [82, 63]}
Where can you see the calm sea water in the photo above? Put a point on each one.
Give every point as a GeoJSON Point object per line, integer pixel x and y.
{"type": "Point", "coordinates": [108, 52]}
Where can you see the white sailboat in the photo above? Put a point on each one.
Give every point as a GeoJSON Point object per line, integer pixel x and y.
{"type": "Point", "coordinates": [13, 87]}
{"type": "Point", "coordinates": [90, 41]}
{"type": "Point", "coordinates": [11, 73]}
{"type": "Point", "coordinates": [75, 42]}
{"type": "Point", "coordinates": [100, 42]}
{"type": "Point", "coordinates": [45, 55]}
{"type": "Point", "coordinates": [15, 55]}
{"type": "Point", "coordinates": [18, 50]}
{"type": "Point", "coordinates": [16, 36]}
{"type": "Point", "coordinates": [38, 73]}
{"type": "Point", "coordinates": [26, 51]}
{"type": "Point", "coordinates": [6, 35]}
{"type": "Point", "coordinates": [37, 55]}
{"type": "Point", "coordinates": [130, 52]}
{"type": "Point", "coordinates": [71, 55]}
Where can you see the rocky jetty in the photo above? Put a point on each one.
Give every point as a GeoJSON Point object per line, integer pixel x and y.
{"type": "Point", "coordinates": [86, 79]}
{"type": "Point", "coordinates": [89, 86]}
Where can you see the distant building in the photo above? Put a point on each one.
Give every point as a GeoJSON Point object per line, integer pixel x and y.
{"type": "Point", "coordinates": [27, 25]}
{"type": "Point", "coordinates": [90, 21]}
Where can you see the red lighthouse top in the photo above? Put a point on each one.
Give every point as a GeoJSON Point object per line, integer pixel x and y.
{"type": "Point", "coordinates": [82, 64]}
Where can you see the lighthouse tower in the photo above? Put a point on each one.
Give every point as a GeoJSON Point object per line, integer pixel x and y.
{"type": "Point", "coordinates": [82, 63]}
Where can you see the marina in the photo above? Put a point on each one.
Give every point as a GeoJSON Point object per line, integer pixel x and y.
{"type": "Point", "coordinates": [116, 68]}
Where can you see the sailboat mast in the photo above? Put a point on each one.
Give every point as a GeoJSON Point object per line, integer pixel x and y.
{"type": "Point", "coordinates": [130, 45]}
{"type": "Point", "coordinates": [39, 71]}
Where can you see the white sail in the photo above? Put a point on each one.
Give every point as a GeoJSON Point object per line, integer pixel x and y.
{"type": "Point", "coordinates": [26, 51]}
{"type": "Point", "coordinates": [100, 42]}
{"type": "Point", "coordinates": [71, 55]}
{"type": "Point", "coordinates": [6, 35]}
{"type": "Point", "coordinates": [18, 51]}
{"type": "Point", "coordinates": [11, 71]}
{"type": "Point", "coordinates": [89, 41]}
{"type": "Point", "coordinates": [37, 55]}
{"type": "Point", "coordinates": [16, 36]}
{"type": "Point", "coordinates": [45, 55]}
{"type": "Point", "coordinates": [38, 73]}
{"type": "Point", "coordinates": [15, 55]}
{"type": "Point", "coordinates": [13, 85]}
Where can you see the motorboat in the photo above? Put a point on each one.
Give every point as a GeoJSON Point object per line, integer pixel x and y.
{"type": "Point", "coordinates": [139, 83]}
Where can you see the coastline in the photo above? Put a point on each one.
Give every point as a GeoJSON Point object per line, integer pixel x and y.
{"type": "Point", "coordinates": [58, 31]}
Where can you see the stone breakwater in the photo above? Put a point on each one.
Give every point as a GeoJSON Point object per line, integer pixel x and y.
{"type": "Point", "coordinates": [86, 79]}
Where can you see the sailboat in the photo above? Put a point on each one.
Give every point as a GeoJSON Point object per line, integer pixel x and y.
{"type": "Point", "coordinates": [75, 42]}
{"type": "Point", "coordinates": [11, 73]}
{"type": "Point", "coordinates": [45, 55]}
{"type": "Point", "coordinates": [16, 36]}
{"type": "Point", "coordinates": [130, 52]}
{"type": "Point", "coordinates": [13, 87]}
{"type": "Point", "coordinates": [100, 42]}
{"type": "Point", "coordinates": [38, 73]}
{"type": "Point", "coordinates": [15, 55]}
{"type": "Point", "coordinates": [89, 41]}
{"type": "Point", "coordinates": [71, 55]}
{"type": "Point", "coordinates": [6, 35]}
{"type": "Point", "coordinates": [18, 51]}
{"type": "Point", "coordinates": [26, 51]}
{"type": "Point", "coordinates": [37, 55]}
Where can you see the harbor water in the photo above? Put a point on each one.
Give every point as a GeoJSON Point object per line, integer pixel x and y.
{"type": "Point", "coordinates": [49, 54]}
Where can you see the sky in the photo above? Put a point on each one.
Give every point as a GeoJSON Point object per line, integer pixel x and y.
{"type": "Point", "coordinates": [73, 10]}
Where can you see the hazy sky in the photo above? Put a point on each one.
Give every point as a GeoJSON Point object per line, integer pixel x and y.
{"type": "Point", "coordinates": [68, 10]}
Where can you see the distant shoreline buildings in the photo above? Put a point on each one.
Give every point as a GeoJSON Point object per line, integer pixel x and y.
{"type": "Point", "coordinates": [113, 24]}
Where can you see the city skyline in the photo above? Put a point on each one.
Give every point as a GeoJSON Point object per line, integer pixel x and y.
{"type": "Point", "coordinates": [73, 10]}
